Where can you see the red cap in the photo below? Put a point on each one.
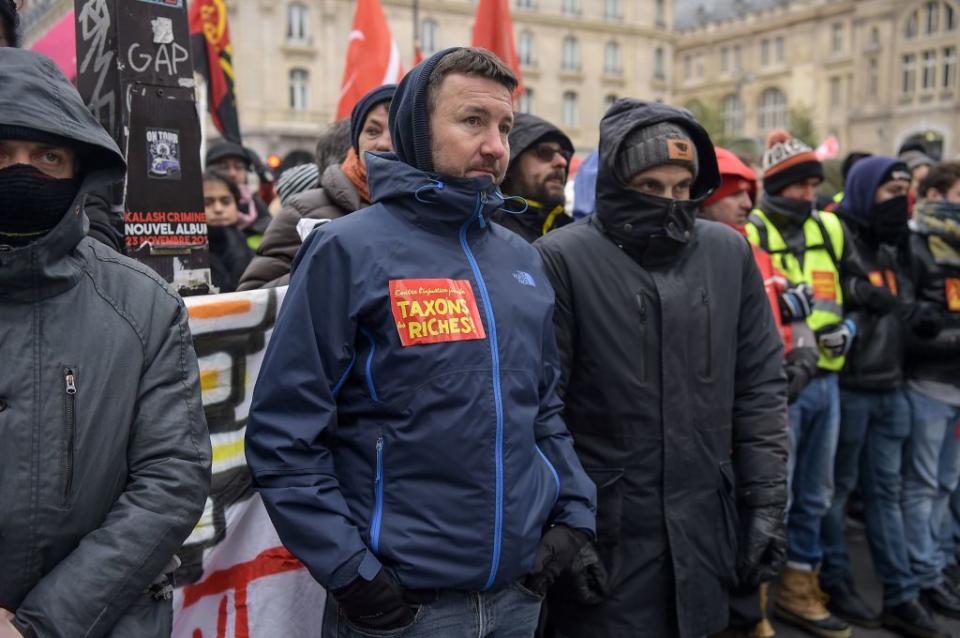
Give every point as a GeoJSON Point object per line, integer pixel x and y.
{"type": "Point", "coordinates": [736, 177]}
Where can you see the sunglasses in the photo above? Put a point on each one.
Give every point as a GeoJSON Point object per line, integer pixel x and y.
{"type": "Point", "coordinates": [545, 152]}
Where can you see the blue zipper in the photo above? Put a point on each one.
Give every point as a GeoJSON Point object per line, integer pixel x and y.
{"type": "Point", "coordinates": [378, 506]}
{"type": "Point", "coordinates": [369, 368]}
{"type": "Point", "coordinates": [497, 398]}
{"type": "Point", "coordinates": [553, 470]}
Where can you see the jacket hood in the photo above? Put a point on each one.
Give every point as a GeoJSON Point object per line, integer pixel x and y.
{"type": "Point", "coordinates": [430, 200]}
{"type": "Point", "coordinates": [629, 114]}
{"type": "Point", "coordinates": [862, 184]}
{"type": "Point", "coordinates": [529, 130]}
{"type": "Point", "coordinates": [35, 94]}
{"type": "Point", "coordinates": [409, 124]}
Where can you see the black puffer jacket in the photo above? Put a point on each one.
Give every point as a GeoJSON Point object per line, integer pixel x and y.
{"type": "Point", "coordinates": [875, 362]}
{"type": "Point", "coordinates": [936, 359]}
{"type": "Point", "coordinates": [674, 393]}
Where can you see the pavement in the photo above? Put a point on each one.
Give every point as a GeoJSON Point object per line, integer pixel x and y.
{"type": "Point", "coordinates": [871, 590]}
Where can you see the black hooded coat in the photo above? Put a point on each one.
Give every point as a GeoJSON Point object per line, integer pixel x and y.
{"type": "Point", "coordinates": [674, 393]}
{"type": "Point", "coordinates": [529, 130]}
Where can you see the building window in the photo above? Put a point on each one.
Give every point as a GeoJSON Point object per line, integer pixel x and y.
{"type": "Point", "coordinates": [738, 58]}
{"type": "Point", "coordinates": [611, 9]}
{"type": "Point", "coordinates": [908, 74]}
{"type": "Point", "coordinates": [687, 67]}
{"type": "Point", "coordinates": [773, 110]}
{"type": "Point", "coordinates": [835, 91]}
{"type": "Point", "coordinates": [428, 36]}
{"type": "Point", "coordinates": [571, 7]}
{"type": "Point", "coordinates": [700, 65]}
{"type": "Point", "coordinates": [298, 22]}
{"type": "Point", "coordinates": [571, 54]}
{"type": "Point", "coordinates": [932, 17]}
{"type": "Point", "coordinates": [836, 39]}
{"type": "Point", "coordinates": [949, 18]}
{"type": "Point", "coordinates": [524, 4]}
{"type": "Point", "coordinates": [525, 103]}
{"type": "Point", "coordinates": [913, 26]}
{"type": "Point", "coordinates": [929, 77]}
{"type": "Point", "coordinates": [780, 49]}
{"type": "Point", "coordinates": [661, 14]}
{"type": "Point", "coordinates": [873, 77]}
{"type": "Point", "coordinates": [611, 59]}
{"type": "Point", "coordinates": [525, 48]}
{"type": "Point", "coordinates": [609, 100]}
{"type": "Point", "coordinates": [764, 52]}
{"type": "Point", "coordinates": [658, 68]}
{"type": "Point", "coordinates": [299, 89]}
{"type": "Point", "coordinates": [950, 67]}
{"type": "Point", "coordinates": [725, 60]}
{"type": "Point", "coordinates": [874, 38]}
{"type": "Point", "coordinates": [732, 115]}
{"type": "Point", "coordinates": [571, 112]}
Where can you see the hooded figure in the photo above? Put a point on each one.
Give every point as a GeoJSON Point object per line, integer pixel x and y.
{"type": "Point", "coordinates": [105, 456]}
{"type": "Point", "coordinates": [654, 305]}
{"type": "Point", "coordinates": [540, 156]}
{"type": "Point", "coordinates": [405, 432]}
{"type": "Point", "coordinates": [342, 189]}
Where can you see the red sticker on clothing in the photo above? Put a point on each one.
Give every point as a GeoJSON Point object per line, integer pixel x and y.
{"type": "Point", "coordinates": [953, 294]}
{"type": "Point", "coordinates": [876, 278]}
{"type": "Point", "coordinates": [824, 284]}
{"type": "Point", "coordinates": [892, 282]}
{"type": "Point", "coordinates": [435, 311]}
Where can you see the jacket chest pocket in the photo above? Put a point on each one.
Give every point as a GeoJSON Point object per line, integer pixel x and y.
{"type": "Point", "coordinates": [643, 321]}
{"type": "Point", "coordinates": [702, 336]}
{"type": "Point", "coordinates": [68, 437]}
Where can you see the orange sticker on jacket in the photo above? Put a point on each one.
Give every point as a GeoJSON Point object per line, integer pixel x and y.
{"type": "Point", "coordinates": [824, 284]}
{"type": "Point", "coordinates": [953, 294]}
{"type": "Point", "coordinates": [435, 311]}
{"type": "Point", "coordinates": [876, 278]}
{"type": "Point", "coordinates": [892, 282]}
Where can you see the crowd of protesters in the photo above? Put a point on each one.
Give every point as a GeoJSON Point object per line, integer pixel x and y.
{"type": "Point", "coordinates": [477, 416]}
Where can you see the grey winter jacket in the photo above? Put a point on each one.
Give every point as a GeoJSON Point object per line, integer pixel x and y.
{"type": "Point", "coordinates": [336, 197]}
{"type": "Point", "coordinates": [105, 456]}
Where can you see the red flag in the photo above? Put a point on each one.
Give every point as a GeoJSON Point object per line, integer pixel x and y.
{"type": "Point", "coordinates": [493, 30]}
{"type": "Point", "coordinates": [373, 57]}
{"type": "Point", "coordinates": [213, 59]}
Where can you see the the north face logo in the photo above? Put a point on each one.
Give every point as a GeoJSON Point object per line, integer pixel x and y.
{"type": "Point", "coordinates": [524, 278]}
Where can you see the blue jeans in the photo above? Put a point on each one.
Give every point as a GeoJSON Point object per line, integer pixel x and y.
{"type": "Point", "coordinates": [874, 428]}
{"type": "Point", "coordinates": [814, 426]}
{"type": "Point", "coordinates": [509, 612]}
{"type": "Point", "coordinates": [931, 475]}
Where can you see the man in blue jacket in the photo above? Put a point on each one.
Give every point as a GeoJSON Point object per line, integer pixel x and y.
{"type": "Point", "coordinates": [405, 432]}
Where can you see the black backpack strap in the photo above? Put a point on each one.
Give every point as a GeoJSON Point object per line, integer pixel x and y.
{"type": "Point", "coordinates": [827, 239]}
{"type": "Point", "coordinates": [762, 233]}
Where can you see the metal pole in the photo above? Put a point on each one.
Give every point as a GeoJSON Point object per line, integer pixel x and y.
{"type": "Point", "coordinates": [416, 28]}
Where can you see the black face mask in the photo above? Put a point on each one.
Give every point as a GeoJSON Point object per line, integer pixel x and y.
{"type": "Point", "coordinates": [32, 203]}
{"type": "Point", "coordinates": [794, 210]}
{"type": "Point", "coordinates": [890, 220]}
{"type": "Point", "coordinates": [648, 226]}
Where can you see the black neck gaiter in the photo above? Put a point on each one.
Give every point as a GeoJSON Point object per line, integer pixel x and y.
{"type": "Point", "coordinates": [32, 203]}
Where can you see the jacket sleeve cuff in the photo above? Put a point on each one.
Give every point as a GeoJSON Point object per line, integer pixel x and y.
{"type": "Point", "coordinates": [363, 564]}
{"type": "Point", "coordinates": [577, 517]}
{"type": "Point", "coordinates": [24, 628]}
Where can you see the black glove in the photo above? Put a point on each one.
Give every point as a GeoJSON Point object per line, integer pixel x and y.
{"type": "Point", "coordinates": [877, 299]}
{"type": "Point", "coordinates": [589, 576]}
{"type": "Point", "coordinates": [796, 303]}
{"type": "Point", "coordinates": [926, 320]}
{"type": "Point", "coordinates": [836, 339]}
{"type": "Point", "coordinates": [556, 552]}
{"type": "Point", "coordinates": [375, 604]}
{"type": "Point", "coordinates": [800, 366]}
{"type": "Point", "coordinates": [763, 549]}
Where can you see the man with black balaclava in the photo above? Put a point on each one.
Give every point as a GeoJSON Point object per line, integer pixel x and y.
{"type": "Point", "coordinates": [105, 456]}
{"type": "Point", "coordinates": [540, 156]}
{"type": "Point", "coordinates": [809, 247]}
{"type": "Point", "coordinates": [673, 387]}
{"type": "Point", "coordinates": [875, 418]}
{"type": "Point", "coordinates": [9, 24]}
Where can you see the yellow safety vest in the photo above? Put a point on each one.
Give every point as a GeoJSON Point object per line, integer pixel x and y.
{"type": "Point", "coordinates": [820, 268]}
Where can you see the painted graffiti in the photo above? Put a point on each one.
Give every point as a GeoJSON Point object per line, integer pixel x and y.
{"type": "Point", "coordinates": [94, 21]}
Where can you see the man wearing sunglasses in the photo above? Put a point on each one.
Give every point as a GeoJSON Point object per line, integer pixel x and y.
{"type": "Point", "coordinates": [539, 163]}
